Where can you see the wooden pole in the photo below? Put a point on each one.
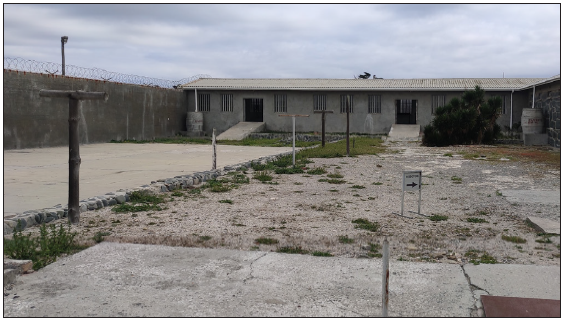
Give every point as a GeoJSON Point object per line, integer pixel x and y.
{"type": "Point", "coordinates": [347, 133]}
{"type": "Point", "coordinates": [323, 112]}
{"type": "Point", "coordinates": [74, 155]}
{"type": "Point", "coordinates": [74, 161]}
{"type": "Point", "coordinates": [214, 149]}
{"type": "Point", "coordinates": [385, 278]}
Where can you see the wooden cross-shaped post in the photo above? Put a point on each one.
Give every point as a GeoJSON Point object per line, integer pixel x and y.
{"type": "Point", "coordinates": [293, 132]}
{"type": "Point", "coordinates": [323, 112]}
{"type": "Point", "coordinates": [74, 157]}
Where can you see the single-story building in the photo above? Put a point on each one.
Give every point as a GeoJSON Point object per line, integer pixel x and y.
{"type": "Point", "coordinates": [375, 104]}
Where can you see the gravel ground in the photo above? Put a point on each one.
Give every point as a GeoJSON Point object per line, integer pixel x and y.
{"type": "Point", "coordinates": [300, 211]}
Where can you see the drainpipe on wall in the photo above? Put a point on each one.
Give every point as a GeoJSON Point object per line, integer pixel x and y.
{"type": "Point", "coordinates": [195, 101]}
{"type": "Point", "coordinates": [533, 95]}
{"type": "Point", "coordinates": [511, 93]}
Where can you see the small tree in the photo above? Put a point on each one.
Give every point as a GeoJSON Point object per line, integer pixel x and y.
{"type": "Point", "coordinates": [468, 120]}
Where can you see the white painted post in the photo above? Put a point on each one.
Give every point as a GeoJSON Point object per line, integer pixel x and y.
{"type": "Point", "coordinates": [385, 278]}
{"type": "Point", "coordinates": [214, 149]}
{"type": "Point", "coordinates": [195, 101]}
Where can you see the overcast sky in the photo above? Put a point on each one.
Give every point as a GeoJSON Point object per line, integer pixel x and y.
{"type": "Point", "coordinates": [177, 41]}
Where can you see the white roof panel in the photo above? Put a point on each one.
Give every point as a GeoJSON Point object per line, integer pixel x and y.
{"type": "Point", "coordinates": [452, 84]}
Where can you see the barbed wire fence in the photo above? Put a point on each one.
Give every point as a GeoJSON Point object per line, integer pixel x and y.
{"type": "Point", "coordinates": [27, 65]}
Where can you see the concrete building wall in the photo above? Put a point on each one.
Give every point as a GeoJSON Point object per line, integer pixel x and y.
{"type": "Point", "coordinates": [360, 120]}
{"type": "Point", "coordinates": [131, 112]}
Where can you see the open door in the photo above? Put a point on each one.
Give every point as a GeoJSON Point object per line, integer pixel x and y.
{"type": "Point", "coordinates": [253, 110]}
{"type": "Point", "coordinates": [406, 111]}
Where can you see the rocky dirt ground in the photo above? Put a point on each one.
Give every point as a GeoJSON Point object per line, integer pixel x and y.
{"type": "Point", "coordinates": [306, 212]}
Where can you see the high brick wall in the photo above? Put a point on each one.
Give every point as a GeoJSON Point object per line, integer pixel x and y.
{"type": "Point", "coordinates": [131, 112]}
{"type": "Point", "coordinates": [548, 98]}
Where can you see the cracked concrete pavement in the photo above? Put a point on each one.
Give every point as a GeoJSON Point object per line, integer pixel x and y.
{"type": "Point", "coordinates": [113, 280]}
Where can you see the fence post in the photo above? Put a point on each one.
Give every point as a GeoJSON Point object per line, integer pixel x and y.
{"type": "Point", "coordinates": [385, 278]}
{"type": "Point", "coordinates": [214, 149]}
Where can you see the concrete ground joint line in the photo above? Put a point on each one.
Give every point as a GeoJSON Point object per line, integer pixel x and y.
{"type": "Point", "coordinates": [251, 267]}
{"type": "Point", "coordinates": [473, 309]}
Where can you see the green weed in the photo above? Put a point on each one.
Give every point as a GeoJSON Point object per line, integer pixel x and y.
{"type": "Point", "coordinates": [514, 239]}
{"type": "Point", "coordinates": [365, 224]}
{"type": "Point", "coordinates": [267, 241]}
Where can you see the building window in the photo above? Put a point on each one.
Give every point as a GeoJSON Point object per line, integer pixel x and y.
{"type": "Point", "coordinates": [343, 103]}
{"type": "Point", "coordinates": [227, 102]}
{"type": "Point", "coordinates": [437, 101]}
{"type": "Point", "coordinates": [374, 104]}
{"type": "Point", "coordinates": [280, 103]}
{"type": "Point", "coordinates": [319, 102]}
{"type": "Point", "coordinates": [502, 102]}
{"type": "Point", "coordinates": [503, 97]}
{"type": "Point", "coordinates": [204, 102]}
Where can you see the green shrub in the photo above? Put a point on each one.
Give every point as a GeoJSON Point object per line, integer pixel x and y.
{"type": "Point", "coordinates": [465, 120]}
{"type": "Point", "coordinates": [366, 225]}
{"type": "Point", "coordinates": [292, 250]}
{"type": "Point", "coordinates": [317, 171]}
{"type": "Point", "coordinates": [321, 254]}
{"type": "Point", "coordinates": [514, 239]}
{"type": "Point", "coordinates": [437, 217]}
{"type": "Point", "coordinates": [263, 176]}
{"type": "Point", "coordinates": [345, 239]}
{"type": "Point", "coordinates": [42, 250]}
{"type": "Point", "coordinates": [267, 241]}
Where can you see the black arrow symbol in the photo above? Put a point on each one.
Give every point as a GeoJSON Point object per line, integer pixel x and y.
{"type": "Point", "coordinates": [413, 184]}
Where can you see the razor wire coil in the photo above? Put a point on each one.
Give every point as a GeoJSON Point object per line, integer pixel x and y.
{"type": "Point", "coordinates": [27, 65]}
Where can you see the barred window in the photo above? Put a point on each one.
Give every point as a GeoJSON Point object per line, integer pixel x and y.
{"type": "Point", "coordinates": [227, 102]}
{"type": "Point", "coordinates": [374, 104]}
{"type": "Point", "coordinates": [204, 102]}
{"type": "Point", "coordinates": [319, 102]}
{"type": "Point", "coordinates": [437, 101]}
{"type": "Point", "coordinates": [280, 102]}
{"type": "Point", "coordinates": [343, 103]}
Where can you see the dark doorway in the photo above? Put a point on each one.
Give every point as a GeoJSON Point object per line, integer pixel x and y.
{"type": "Point", "coordinates": [406, 111]}
{"type": "Point", "coordinates": [253, 110]}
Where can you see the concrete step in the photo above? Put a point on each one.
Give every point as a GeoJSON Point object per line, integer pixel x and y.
{"type": "Point", "coordinates": [404, 132]}
{"type": "Point", "coordinates": [241, 130]}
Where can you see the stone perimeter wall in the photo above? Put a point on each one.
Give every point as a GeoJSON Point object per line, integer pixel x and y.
{"type": "Point", "coordinates": [38, 217]}
{"type": "Point", "coordinates": [132, 112]}
{"type": "Point", "coordinates": [549, 100]}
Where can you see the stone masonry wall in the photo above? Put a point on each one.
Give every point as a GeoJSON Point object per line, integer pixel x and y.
{"type": "Point", "coordinates": [548, 98]}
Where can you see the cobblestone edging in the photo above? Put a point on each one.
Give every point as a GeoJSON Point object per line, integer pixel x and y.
{"type": "Point", "coordinates": [38, 217]}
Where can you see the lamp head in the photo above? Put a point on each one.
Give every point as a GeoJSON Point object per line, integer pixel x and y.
{"type": "Point", "coordinates": [64, 39]}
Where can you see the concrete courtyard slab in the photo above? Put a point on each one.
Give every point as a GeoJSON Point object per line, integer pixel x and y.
{"type": "Point", "coordinates": [38, 178]}
{"type": "Point", "coordinates": [113, 280]}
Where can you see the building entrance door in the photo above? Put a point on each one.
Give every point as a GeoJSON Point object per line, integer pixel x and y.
{"type": "Point", "coordinates": [406, 111]}
{"type": "Point", "coordinates": [253, 110]}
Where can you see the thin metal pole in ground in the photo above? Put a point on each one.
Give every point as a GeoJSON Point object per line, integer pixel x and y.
{"type": "Point", "coordinates": [74, 156]}
{"type": "Point", "coordinates": [293, 132]}
{"type": "Point", "coordinates": [385, 278]}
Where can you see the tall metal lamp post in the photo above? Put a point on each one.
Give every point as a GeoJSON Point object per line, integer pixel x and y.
{"type": "Point", "coordinates": [63, 42]}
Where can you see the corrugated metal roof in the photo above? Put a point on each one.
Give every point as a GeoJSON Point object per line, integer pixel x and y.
{"type": "Point", "coordinates": [450, 84]}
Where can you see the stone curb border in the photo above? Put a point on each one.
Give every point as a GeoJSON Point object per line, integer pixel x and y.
{"type": "Point", "coordinates": [38, 217]}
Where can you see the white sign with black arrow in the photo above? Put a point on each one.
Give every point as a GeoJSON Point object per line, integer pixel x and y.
{"type": "Point", "coordinates": [411, 181]}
